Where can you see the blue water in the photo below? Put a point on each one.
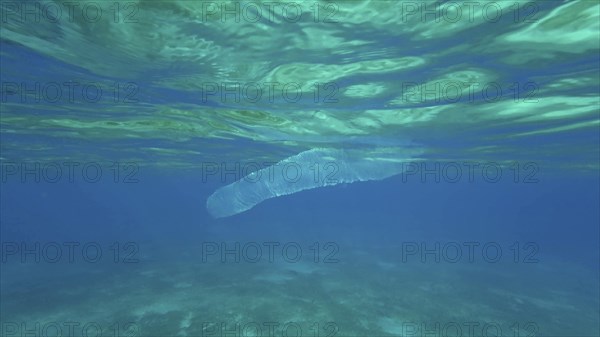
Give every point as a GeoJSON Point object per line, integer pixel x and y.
{"type": "Point", "coordinates": [417, 216]}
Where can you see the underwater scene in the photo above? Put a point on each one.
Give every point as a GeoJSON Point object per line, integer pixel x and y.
{"type": "Point", "coordinates": [314, 168]}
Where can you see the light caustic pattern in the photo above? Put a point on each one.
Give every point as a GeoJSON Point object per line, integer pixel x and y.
{"type": "Point", "coordinates": [191, 81]}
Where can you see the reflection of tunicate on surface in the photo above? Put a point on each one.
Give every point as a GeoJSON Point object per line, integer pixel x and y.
{"type": "Point", "coordinates": [307, 170]}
